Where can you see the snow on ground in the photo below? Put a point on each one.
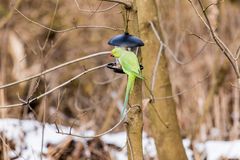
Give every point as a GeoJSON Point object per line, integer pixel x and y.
{"type": "Point", "coordinates": [27, 136]}
{"type": "Point", "coordinates": [216, 149]}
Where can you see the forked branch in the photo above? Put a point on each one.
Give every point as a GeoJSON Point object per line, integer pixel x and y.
{"type": "Point", "coordinates": [225, 50]}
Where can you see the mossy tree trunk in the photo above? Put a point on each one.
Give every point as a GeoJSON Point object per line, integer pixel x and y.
{"type": "Point", "coordinates": [160, 112]}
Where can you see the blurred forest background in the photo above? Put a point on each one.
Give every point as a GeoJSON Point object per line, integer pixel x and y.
{"type": "Point", "coordinates": [203, 82]}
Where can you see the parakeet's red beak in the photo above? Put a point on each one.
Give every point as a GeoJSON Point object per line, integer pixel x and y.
{"type": "Point", "coordinates": [110, 55]}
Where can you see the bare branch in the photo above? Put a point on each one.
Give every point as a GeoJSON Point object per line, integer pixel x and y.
{"type": "Point", "coordinates": [171, 52]}
{"type": "Point", "coordinates": [130, 148]}
{"type": "Point", "coordinates": [212, 4]}
{"type": "Point", "coordinates": [55, 68]}
{"type": "Point", "coordinates": [196, 11]}
{"type": "Point", "coordinates": [225, 51]}
{"type": "Point", "coordinates": [201, 38]}
{"type": "Point", "coordinates": [51, 24]}
{"type": "Point", "coordinates": [42, 48]}
{"type": "Point", "coordinates": [145, 102]}
{"type": "Point", "coordinates": [155, 68]}
{"type": "Point", "coordinates": [158, 56]}
{"type": "Point", "coordinates": [54, 89]}
{"type": "Point", "coordinates": [155, 31]}
{"type": "Point", "coordinates": [127, 4]}
{"type": "Point", "coordinates": [27, 104]}
{"type": "Point", "coordinates": [68, 29]}
{"type": "Point", "coordinates": [188, 60]}
{"type": "Point", "coordinates": [108, 81]}
{"type": "Point", "coordinates": [98, 135]}
{"type": "Point", "coordinates": [237, 54]}
{"type": "Point", "coordinates": [95, 11]}
{"type": "Point", "coordinates": [185, 91]}
{"type": "Point", "coordinates": [217, 40]}
{"type": "Point", "coordinates": [198, 14]}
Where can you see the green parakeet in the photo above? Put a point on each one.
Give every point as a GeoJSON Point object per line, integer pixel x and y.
{"type": "Point", "coordinates": [130, 65]}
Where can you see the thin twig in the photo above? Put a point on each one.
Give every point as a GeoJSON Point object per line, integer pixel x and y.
{"type": "Point", "coordinates": [54, 89]}
{"type": "Point", "coordinates": [158, 55]}
{"type": "Point", "coordinates": [204, 40]}
{"type": "Point", "coordinates": [127, 4]}
{"type": "Point", "coordinates": [130, 148]}
{"type": "Point", "coordinates": [171, 52]}
{"type": "Point", "coordinates": [205, 23]}
{"type": "Point", "coordinates": [198, 53]}
{"type": "Point", "coordinates": [97, 135]}
{"type": "Point", "coordinates": [55, 68]}
{"type": "Point", "coordinates": [68, 29]}
{"type": "Point", "coordinates": [43, 130]}
{"type": "Point", "coordinates": [28, 105]}
{"type": "Point", "coordinates": [97, 11]}
{"type": "Point", "coordinates": [212, 4]}
{"type": "Point", "coordinates": [237, 54]}
{"type": "Point", "coordinates": [184, 91]}
{"type": "Point", "coordinates": [51, 24]}
{"type": "Point", "coordinates": [108, 81]}
{"type": "Point", "coordinates": [155, 31]}
{"type": "Point", "coordinates": [156, 67]}
{"type": "Point", "coordinates": [42, 48]}
{"type": "Point", "coordinates": [145, 103]}
{"type": "Point", "coordinates": [198, 14]}
{"type": "Point", "coordinates": [225, 50]}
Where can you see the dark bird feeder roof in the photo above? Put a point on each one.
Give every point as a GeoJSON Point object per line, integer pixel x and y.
{"type": "Point", "coordinates": [126, 40]}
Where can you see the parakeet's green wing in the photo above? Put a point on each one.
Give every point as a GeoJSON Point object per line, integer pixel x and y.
{"type": "Point", "coordinates": [130, 64]}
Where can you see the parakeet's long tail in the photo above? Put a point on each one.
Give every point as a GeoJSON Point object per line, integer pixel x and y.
{"type": "Point", "coordinates": [130, 84]}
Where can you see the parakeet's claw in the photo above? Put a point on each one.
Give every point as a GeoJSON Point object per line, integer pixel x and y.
{"type": "Point", "coordinates": [116, 68]}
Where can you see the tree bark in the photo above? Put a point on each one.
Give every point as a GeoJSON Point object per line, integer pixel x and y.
{"type": "Point", "coordinates": [134, 123]}
{"type": "Point", "coordinates": [161, 113]}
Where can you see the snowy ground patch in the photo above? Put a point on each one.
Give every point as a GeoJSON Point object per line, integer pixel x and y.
{"type": "Point", "coordinates": [27, 136]}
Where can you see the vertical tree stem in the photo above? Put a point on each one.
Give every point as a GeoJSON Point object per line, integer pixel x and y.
{"type": "Point", "coordinates": [167, 133]}
{"type": "Point", "coordinates": [134, 124]}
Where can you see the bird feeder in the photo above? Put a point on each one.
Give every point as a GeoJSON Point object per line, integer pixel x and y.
{"type": "Point", "coordinates": [127, 41]}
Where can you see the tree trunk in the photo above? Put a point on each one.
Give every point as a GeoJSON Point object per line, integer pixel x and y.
{"type": "Point", "coordinates": [134, 124]}
{"type": "Point", "coordinates": [161, 113]}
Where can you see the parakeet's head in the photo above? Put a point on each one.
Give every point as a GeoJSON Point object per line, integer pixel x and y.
{"type": "Point", "coordinates": [116, 52]}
